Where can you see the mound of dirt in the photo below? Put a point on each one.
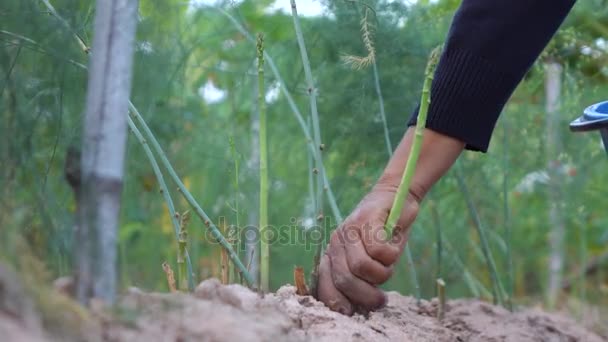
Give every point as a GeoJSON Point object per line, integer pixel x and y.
{"type": "Point", "coordinates": [230, 313]}
{"type": "Point", "coordinates": [234, 313]}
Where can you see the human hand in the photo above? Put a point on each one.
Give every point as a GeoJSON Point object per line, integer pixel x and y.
{"type": "Point", "coordinates": [359, 256]}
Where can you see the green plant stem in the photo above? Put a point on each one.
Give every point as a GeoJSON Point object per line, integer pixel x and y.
{"type": "Point", "coordinates": [237, 231]}
{"type": "Point", "coordinates": [410, 167]}
{"type": "Point", "coordinates": [475, 286]}
{"type": "Point", "coordinates": [311, 182]}
{"type": "Point", "coordinates": [412, 269]}
{"type": "Point", "coordinates": [497, 289]}
{"type": "Point", "coordinates": [264, 245]}
{"type": "Point", "coordinates": [437, 224]}
{"type": "Point", "coordinates": [507, 217]}
{"type": "Point", "coordinates": [583, 254]}
{"type": "Point", "coordinates": [85, 48]}
{"type": "Point", "coordinates": [312, 96]}
{"type": "Point", "coordinates": [294, 109]}
{"type": "Point", "coordinates": [314, 115]}
{"type": "Point", "coordinates": [441, 297]}
{"type": "Point", "coordinates": [215, 232]}
{"type": "Point", "coordinates": [314, 276]}
{"type": "Point", "coordinates": [387, 137]}
{"type": "Point", "coordinates": [181, 252]}
{"type": "Point", "coordinates": [165, 192]}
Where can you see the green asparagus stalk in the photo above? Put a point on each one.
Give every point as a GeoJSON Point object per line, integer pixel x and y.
{"type": "Point", "coordinates": [182, 243]}
{"type": "Point", "coordinates": [441, 297]}
{"type": "Point", "coordinates": [264, 247]}
{"type": "Point", "coordinates": [412, 159]}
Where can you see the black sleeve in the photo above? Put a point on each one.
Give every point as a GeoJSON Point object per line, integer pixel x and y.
{"type": "Point", "coordinates": [490, 46]}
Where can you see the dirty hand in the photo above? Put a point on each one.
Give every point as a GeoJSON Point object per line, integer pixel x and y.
{"type": "Point", "coordinates": [360, 256]}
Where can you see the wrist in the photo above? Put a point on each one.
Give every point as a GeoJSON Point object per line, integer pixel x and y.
{"type": "Point", "coordinates": [437, 155]}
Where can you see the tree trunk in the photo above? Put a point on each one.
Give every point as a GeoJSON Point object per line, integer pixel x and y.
{"type": "Point", "coordinates": [553, 73]}
{"type": "Point", "coordinates": [104, 140]}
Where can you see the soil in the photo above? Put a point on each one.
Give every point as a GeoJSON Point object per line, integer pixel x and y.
{"type": "Point", "coordinates": [233, 313]}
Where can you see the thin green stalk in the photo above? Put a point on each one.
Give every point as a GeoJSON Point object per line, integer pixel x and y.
{"type": "Point", "coordinates": [437, 224]}
{"type": "Point", "coordinates": [583, 254]}
{"type": "Point", "coordinates": [264, 245]}
{"type": "Point", "coordinates": [311, 144]}
{"type": "Point", "coordinates": [182, 242]}
{"type": "Point", "coordinates": [215, 232]}
{"type": "Point", "coordinates": [165, 192]}
{"type": "Point", "coordinates": [412, 268]}
{"type": "Point", "coordinates": [237, 231]}
{"type": "Point", "coordinates": [311, 181]}
{"type": "Point", "coordinates": [410, 167]}
{"type": "Point", "coordinates": [387, 137]}
{"type": "Point", "coordinates": [314, 275]}
{"type": "Point", "coordinates": [507, 217]}
{"type": "Point", "coordinates": [441, 296]}
{"type": "Point", "coordinates": [476, 287]}
{"type": "Point", "coordinates": [314, 115]}
{"type": "Point", "coordinates": [497, 288]}
{"type": "Point", "coordinates": [312, 96]}
{"type": "Point", "coordinates": [10, 69]}
{"type": "Point", "coordinates": [85, 48]}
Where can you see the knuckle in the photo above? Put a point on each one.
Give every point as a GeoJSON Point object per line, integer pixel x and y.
{"type": "Point", "coordinates": [358, 266]}
{"type": "Point", "coordinates": [386, 255]}
{"type": "Point", "coordinates": [342, 281]}
{"type": "Point", "coordinates": [386, 275]}
{"type": "Point", "coordinates": [335, 239]}
{"type": "Point", "coordinates": [351, 224]}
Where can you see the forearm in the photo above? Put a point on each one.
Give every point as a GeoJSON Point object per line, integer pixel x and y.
{"type": "Point", "coordinates": [437, 154]}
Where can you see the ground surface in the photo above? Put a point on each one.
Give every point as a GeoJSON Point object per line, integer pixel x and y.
{"type": "Point", "coordinates": [233, 313]}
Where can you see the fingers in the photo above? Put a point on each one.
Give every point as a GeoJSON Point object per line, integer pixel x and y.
{"type": "Point", "coordinates": [328, 293]}
{"type": "Point", "coordinates": [401, 234]}
{"type": "Point", "coordinates": [358, 291]}
{"type": "Point", "coordinates": [370, 224]}
{"type": "Point", "coordinates": [363, 266]}
{"type": "Point", "coordinates": [360, 257]}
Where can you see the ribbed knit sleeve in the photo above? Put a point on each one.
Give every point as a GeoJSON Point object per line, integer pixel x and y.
{"type": "Point", "coordinates": [490, 46]}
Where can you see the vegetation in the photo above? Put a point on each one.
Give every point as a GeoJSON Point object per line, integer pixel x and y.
{"type": "Point", "coordinates": [487, 229]}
